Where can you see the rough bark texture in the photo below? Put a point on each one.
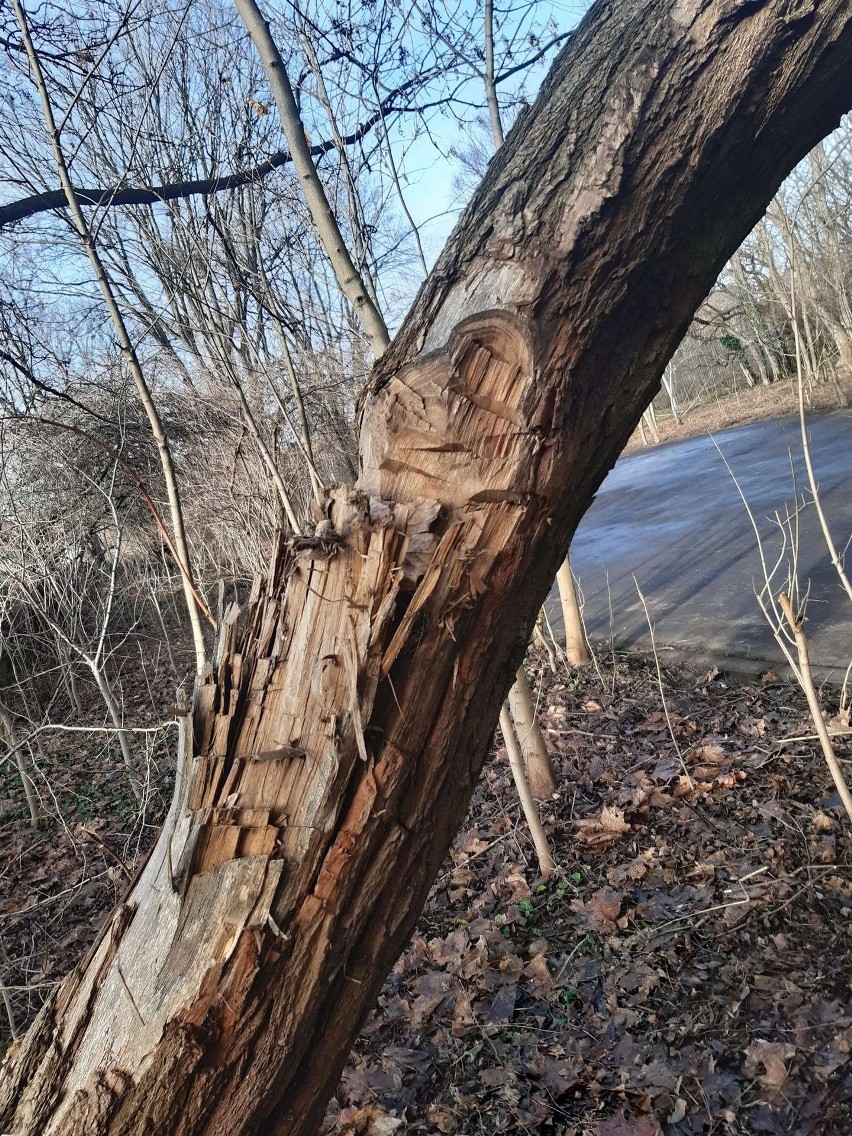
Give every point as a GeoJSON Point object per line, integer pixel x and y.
{"type": "Point", "coordinates": [332, 750]}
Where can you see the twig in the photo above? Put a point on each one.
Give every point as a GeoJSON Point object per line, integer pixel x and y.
{"type": "Point", "coordinates": [538, 635]}
{"type": "Point", "coordinates": [109, 852]}
{"type": "Point", "coordinates": [10, 1013]}
{"type": "Point", "coordinates": [686, 772]}
{"type": "Point", "coordinates": [813, 737]}
{"type": "Point", "coordinates": [796, 621]}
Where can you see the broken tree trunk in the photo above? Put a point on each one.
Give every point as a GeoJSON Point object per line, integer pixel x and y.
{"type": "Point", "coordinates": [333, 746]}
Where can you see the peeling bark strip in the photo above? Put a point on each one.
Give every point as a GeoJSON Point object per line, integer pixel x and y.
{"type": "Point", "coordinates": [334, 746]}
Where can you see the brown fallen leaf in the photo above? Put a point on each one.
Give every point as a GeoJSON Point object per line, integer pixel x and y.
{"type": "Point", "coordinates": [442, 1117]}
{"type": "Point", "coordinates": [497, 1076]}
{"type": "Point", "coordinates": [560, 1074]}
{"type": "Point", "coordinates": [538, 972]}
{"type": "Point", "coordinates": [470, 844]}
{"type": "Point", "coordinates": [839, 721]}
{"type": "Point", "coordinates": [838, 1055]}
{"type": "Point", "coordinates": [463, 1016]}
{"type": "Point", "coordinates": [636, 869]}
{"type": "Point", "coordinates": [450, 950]}
{"type": "Point", "coordinates": [516, 881]}
{"type": "Point", "coordinates": [503, 1007]}
{"type": "Point", "coordinates": [431, 990]}
{"type": "Point", "coordinates": [823, 822]}
{"type": "Point", "coordinates": [708, 753]}
{"type": "Point", "coordinates": [597, 831]}
{"type": "Point", "coordinates": [601, 911]}
{"type": "Point", "coordinates": [772, 1056]}
{"type": "Point", "coordinates": [369, 1121]}
{"type": "Point", "coordinates": [462, 877]}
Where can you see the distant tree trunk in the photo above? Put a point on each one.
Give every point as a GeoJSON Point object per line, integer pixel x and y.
{"type": "Point", "coordinates": [332, 750]}
{"type": "Point", "coordinates": [650, 419]}
{"type": "Point", "coordinates": [748, 374]}
{"type": "Point", "coordinates": [669, 387]}
{"type": "Point", "coordinates": [843, 342]}
{"type": "Point", "coordinates": [7, 725]}
{"type": "Point", "coordinates": [490, 85]}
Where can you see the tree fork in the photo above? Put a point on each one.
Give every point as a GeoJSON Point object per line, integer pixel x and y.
{"type": "Point", "coordinates": [332, 750]}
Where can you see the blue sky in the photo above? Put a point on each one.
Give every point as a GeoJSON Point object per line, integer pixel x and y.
{"type": "Point", "coordinates": [430, 193]}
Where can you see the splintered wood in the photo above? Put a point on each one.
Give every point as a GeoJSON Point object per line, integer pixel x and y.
{"type": "Point", "coordinates": [453, 426]}
{"type": "Point", "coordinates": [269, 743]}
{"type": "Point", "coordinates": [291, 701]}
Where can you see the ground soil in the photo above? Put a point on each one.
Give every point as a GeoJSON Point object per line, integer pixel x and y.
{"type": "Point", "coordinates": [687, 968]}
{"type": "Point", "coordinates": [685, 971]}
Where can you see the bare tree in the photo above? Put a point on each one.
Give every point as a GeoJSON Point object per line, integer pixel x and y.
{"type": "Point", "coordinates": [539, 771]}
{"type": "Point", "coordinates": [744, 333]}
{"type": "Point", "coordinates": [334, 746]}
{"type": "Point", "coordinates": [348, 276]}
{"type": "Point", "coordinates": [84, 234]}
{"type": "Point", "coordinates": [576, 647]}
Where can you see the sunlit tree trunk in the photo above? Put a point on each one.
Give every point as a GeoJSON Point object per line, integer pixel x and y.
{"type": "Point", "coordinates": [518, 765]}
{"type": "Point", "coordinates": [576, 648]}
{"type": "Point", "coordinates": [540, 774]}
{"type": "Point", "coordinates": [668, 380]}
{"type": "Point", "coordinates": [650, 417]}
{"type": "Point", "coordinates": [349, 279]}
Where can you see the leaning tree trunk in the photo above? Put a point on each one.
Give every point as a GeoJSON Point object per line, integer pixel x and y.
{"type": "Point", "coordinates": [333, 747]}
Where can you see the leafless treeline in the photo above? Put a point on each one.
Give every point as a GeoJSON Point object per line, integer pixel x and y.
{"type": "Point", "coordinates": [743, 335]}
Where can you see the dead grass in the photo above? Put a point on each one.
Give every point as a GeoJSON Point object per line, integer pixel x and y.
{"type": "Point", "coordinates": [756, 404]}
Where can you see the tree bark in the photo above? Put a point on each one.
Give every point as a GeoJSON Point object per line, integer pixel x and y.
{"type": "Point", "coordinates": [331, 753]}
